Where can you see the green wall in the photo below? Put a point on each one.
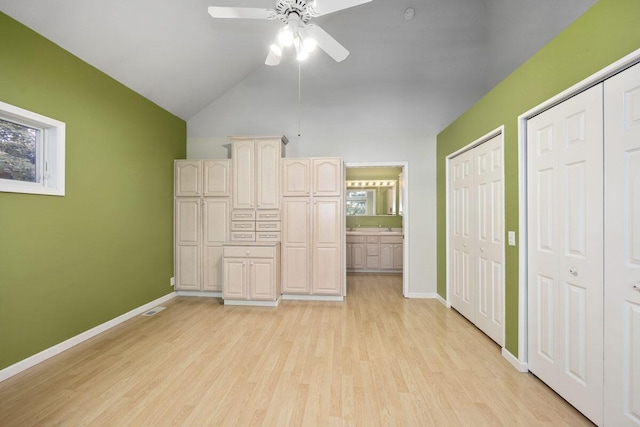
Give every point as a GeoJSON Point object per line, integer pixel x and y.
{"type": "Point", "coordinates": [605, 33]}
{"type": "Point", "coordinates": [378, 172]}
{"type": "Point", "coordinates": [70, 263]}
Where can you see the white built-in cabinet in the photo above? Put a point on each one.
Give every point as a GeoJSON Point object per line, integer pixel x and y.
{"type": "Point", "coordinates": [583, 255]}
{"type": "Point", "coordinates": [202, 190]}
{"type": "Point", "coordinates": [312, 235]}
{"type": "Point", "coordinates": [355, 252]}
{"type": "Point", "coordinates": [251, 273]}
{"type": "Point", "coordinates": [256, 188]}
{"type": "Point", "coordinates": [374, 253]}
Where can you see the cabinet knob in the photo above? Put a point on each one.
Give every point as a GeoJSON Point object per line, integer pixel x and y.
{"type": "Point", "coordinates": [248, 253]}
{"type": "Point", "coordinates": [573, 271]}
{"type": "Point", "coordinates": [636, 286]}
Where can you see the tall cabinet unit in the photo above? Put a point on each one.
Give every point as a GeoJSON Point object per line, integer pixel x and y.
{"type": "Point", "coordinates": [313, 231]}
{"type": "Point", "coordinates": [256, 188]}
{"type": "Point", "coordinates": [201, 209]}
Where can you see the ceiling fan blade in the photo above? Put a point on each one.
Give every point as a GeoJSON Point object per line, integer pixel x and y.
{"type": "Point", "coordinates": [273, 58]}
{"type": "Point", "coordinates": [327, 43]}
{"type": "Point", "coordinates": [241, 12]}
{"type": "Point", "coordinates": [324, 7]}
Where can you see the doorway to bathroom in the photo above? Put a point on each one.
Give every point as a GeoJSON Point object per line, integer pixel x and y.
{"type": "Point", "coordinates": [376, 219]}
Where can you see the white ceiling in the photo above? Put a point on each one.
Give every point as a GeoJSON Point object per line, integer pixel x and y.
{"type": "Point", "coordinates": [173, 53]}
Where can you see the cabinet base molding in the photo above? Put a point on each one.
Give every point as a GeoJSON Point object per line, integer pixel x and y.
{"type": "Point", "coordinates": [203, 294]}
{"type": "Point", "coordinates": [295, 297]}
{"type": "Point", "coordinates": [252, 303]}
{"type": "Point", "coordinates": [370, 270]}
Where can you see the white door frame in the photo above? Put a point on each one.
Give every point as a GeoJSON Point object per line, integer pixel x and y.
{"type": "Point", "coordinates": [631, 59]}
{"type": "Point", "coordinates": [405, 215]}
{"type": "Point", "coordinates": [492, 134]}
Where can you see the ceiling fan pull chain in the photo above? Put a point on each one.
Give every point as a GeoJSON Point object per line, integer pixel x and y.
{"type": "Point", "coordinates": [299, 94]}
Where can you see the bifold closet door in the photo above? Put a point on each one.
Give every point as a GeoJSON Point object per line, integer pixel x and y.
{"type": "Point", "coordinates": [622, 248]}
{"type": "Point", "coordinates": [476, 236]}
{"type": "Point", "coordinates": [565, 254]}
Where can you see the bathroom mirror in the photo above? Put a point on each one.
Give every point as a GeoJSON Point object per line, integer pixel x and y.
{"type": "Point", "coordinates": [371, 197]}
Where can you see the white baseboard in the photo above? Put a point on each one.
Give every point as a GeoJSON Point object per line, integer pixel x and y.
{"type": "Point", "coordinates": [199, 294]}
{"type": "Point", "coordinates": [443, 301]}
{"type": "Point", "coordinates": [293, 297]}
{"type": "Point", "coordinates": [31, 361]}
{"type": "Point", "coordinates": [417, 295]}
{"type": "Point", "coordinates": [519, 365]}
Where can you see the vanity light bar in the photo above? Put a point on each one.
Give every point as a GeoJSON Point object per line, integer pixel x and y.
{"type": "Point", "coordinates": [383, 183]}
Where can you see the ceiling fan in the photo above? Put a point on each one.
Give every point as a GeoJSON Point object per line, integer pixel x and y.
{"type": "Point", "coordinates": [297, 32]}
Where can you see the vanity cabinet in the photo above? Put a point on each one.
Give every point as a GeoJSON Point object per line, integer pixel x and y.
{"type": "Point", "coordinates": [391, 252]}
{"type": "Point", "coordinates": [251, 273]}
{"type": "Point", "coordinates": [312, 229]}
{"type": "Point", "coordinates": [355, 256]}
{"type": "Point", "coordinates": [201, 218]}
{"type": "Point", "coordinates": [374, 252]}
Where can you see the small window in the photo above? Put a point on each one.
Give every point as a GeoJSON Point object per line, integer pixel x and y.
{"type": "Point", "coordinates": [31, 152]}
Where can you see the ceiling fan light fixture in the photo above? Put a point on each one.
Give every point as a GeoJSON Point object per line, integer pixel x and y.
{"type": "Point", "coordinates": [309, 44]}
{"type": "Point", "coordinates": [285, 38]}
{"type": "Point", "coordinates": [276, 49]}
{"type": "Point", "coordinates": [302, 55]}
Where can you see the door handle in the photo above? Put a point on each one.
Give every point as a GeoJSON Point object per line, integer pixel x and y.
{"type": "Point", "coordinates": [573, 271]}
{"type": "Point", "coordinates": [636, 286]}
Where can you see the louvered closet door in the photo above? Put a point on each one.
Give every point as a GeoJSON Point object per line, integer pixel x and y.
{"type": "Point", "coordinates": [565, 255]}
{"type": "Point", "coordinates": [462, 211]}
{"type": "Point", "coordinates": [622, 249]}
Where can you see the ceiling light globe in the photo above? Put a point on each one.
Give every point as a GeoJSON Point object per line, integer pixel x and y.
{"type": "Point", "coordinates": [285, 38]}
{"type": "Point", "coordinates": [309, 44]}
{"type": "Point", "coordinates": [277, 50]}
{"type": "Point", "coordinates": [302, 55]}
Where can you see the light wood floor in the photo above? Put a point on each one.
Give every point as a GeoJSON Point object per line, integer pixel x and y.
{"type": "Point", "coordinates": [376, 359]}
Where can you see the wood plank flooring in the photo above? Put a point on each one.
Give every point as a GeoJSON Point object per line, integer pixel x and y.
{"type": "Point", "coordinates": [375, 360]}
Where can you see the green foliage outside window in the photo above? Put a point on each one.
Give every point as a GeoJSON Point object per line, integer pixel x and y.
{"type": "Point", "coordinates": [18, 151]}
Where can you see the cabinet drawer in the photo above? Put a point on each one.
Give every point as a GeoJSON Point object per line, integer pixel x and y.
{"type": "Point", "coordinates": [373, 262]}
{"type": "Point", "coordinates": [243, 236]}
{"type": "Point", "coordinates": [268, 215]}
{"type": "Point", "coordinates": [355, 239]}
{"type": "Point", "coordinates": [249, 251]}
{"type": "Point", "coordinates": [372, 249]}
{"type": "Point", "coordinates": [243, 215]}
{"type": "Point", "coordinates": [243, 226]}
{"type": "Point", "coordinates": [268, 236]}
{"type": "Point", "coordinates": [268, 226]}
{"type": "Point", "coordinates": [390, 239]}
{"type": "Point", "coordinates": [372, 239]}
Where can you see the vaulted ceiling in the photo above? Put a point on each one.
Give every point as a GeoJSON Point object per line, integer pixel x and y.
{"type": "Point", "coordinates": [173, 53]}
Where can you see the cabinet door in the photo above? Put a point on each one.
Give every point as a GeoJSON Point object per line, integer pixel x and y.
{"type": "Point", "coordinates": [268, 153]}
{"type": "Point", "coordinates": [216, 220]}
{"type": "Point", "coordinates": [216, 178]}
{"type": "Point", "coordinates": [242, 161]}
{"type": "Point", "coordinates": [188, 236]}
{"type": "Point", "coordinates": [262, 284]}
{"type": "Point", "coordinates": [327, 246]}
{"type": "Point", "coordinates": [235, 278]}
{"type": "Point", "coordinates": [386, 255]}
{"type": "Point", "coordinates": [296, 177]}
{"type": "Point", "coordinates": [188, 178]}
{"type": "Point", "coordinates": [358, 256]}
{"type": "Point", "coordinates": [398, 257]}
{"type": "Point", "coordinates": [296, 245]}
{"type": "Point", "coordinates": [327, 177]}
{"type": "Point", "coordinates": [348, 249]}
{"type": "Point", "coordinates": [212, 269]}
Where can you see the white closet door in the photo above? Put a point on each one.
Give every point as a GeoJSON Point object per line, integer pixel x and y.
{"type": "Point", "coordinates": [565, 255]}
{"type": "Point", "coordinates": [622, 249]}
{"type": "Point", "coordinates": [462, 211]}
{"type": "Point", "coordinates": [489, 238]}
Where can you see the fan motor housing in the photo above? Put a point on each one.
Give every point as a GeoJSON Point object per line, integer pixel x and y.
{"type": "Point", "coordinates": [302, 8]}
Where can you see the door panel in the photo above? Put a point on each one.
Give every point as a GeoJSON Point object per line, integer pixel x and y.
{"type": "Point", "coordinates": [327, 246]}
{"type": "Point", "coordinates": [461, 238]}
{"type": "Point", "coordinates": [296, 233]}
{"type": "Point", "coordinates": [262, 285]}
{"type": "Point", "coordinates": [565, 186]}
{"type": "Point", "coordinates": [235, 278]}
{"type": "Point", "coordinates": [622, 248]}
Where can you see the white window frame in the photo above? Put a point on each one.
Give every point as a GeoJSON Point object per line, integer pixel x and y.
{"type": "Point", "coordinates": [52, 155]}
